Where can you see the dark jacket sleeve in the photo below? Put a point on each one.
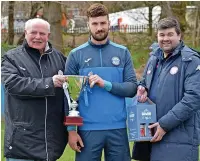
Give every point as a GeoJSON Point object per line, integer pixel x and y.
{"type": "Point", "coordinates": [129, 87]}
{"type": "Point", "coordinates": [190, 102]}
{"type": "Point", "coordinates": [143, 82]}
{"type": "Point", "coordinates": [24, 86]}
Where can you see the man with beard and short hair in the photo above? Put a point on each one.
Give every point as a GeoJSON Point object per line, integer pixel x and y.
{"type": "Point", "coordinates": [172, 79]}
{"type": "Point", "coordinates": [113, 79]}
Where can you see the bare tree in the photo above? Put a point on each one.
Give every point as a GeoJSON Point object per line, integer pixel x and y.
{"type": "Point", "coordinates": [166, 10]}
{"type": "Point", "coordinates": [151, 5]}
{"type": "Point", "coordinates": [195, 27]}
{"type": "Point", "coordinates": [52, 13]}
{"type": "Point", "coordinates": [149, 17]}
{"type": "Point", "coordinates": [175, 9]}
{"type": "Point", "coordinates": [35, 7]}
{"type": "Point", "coordinates": [11, 22]}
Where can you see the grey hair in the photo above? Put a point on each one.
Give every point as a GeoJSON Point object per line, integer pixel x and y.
{"type": "Point", "coordinates": [169, 22]}
{"type": "Point", "coordinates": [30, 22]}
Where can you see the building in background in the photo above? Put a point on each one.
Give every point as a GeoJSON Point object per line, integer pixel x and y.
{"type": "Point", "coordinates": [134, 17]}
{"type": "Point", "coordinates": [74, 20]}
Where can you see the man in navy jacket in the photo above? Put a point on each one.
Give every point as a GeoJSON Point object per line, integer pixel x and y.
{"type": "Point", "coordinates": [172, 79]}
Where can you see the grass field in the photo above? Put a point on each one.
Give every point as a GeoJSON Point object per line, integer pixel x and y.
{"type": "Point", "coordinates": [68, 154]}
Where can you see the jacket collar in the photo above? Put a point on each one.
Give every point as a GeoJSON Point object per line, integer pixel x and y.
{"type": "Point", "coordinates": [178, 48]}
{"type": "Point", "coordinates": [159, 52]}
{"type": "Point", "coordinates": [48, 48]}
{"type": "Point", "coordinates": [98, 46]}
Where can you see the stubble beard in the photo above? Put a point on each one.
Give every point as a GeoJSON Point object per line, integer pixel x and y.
{"type": "Point", "coordinates": [101, 38]}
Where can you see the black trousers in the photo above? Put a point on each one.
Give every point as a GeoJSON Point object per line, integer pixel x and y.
{"type": "Point", "coordinates": [141, 151]}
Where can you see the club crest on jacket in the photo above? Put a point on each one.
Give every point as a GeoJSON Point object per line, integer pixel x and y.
{"type": "Point", "coordinates": [173, 70]}
{"type": "Point", "coordinates": [115, 61]}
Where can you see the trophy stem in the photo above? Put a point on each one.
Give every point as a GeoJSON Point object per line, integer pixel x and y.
{"type": "Point", "coordinates": [73, 105]}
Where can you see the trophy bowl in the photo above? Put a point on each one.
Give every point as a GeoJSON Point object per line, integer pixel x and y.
{"type": "Point", "coordinates": [72, 88]}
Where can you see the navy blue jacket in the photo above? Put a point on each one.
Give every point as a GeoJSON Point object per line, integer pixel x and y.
{"type": "Point", "coordinates": [112, 62]}
{"type": "Point", "coordinates": [178, 103]}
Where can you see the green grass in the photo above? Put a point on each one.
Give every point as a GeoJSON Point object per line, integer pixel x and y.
{"type": "Point", "coordinates": [68, 154]}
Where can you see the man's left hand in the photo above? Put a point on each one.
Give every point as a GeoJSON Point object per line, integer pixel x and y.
{"type": "Point", "coordinates": [159, 132]}
{"type": "Point", "coordinates": [95, 79]}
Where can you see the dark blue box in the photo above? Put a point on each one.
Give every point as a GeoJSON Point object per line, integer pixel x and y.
{"type": "Point", "coordinates": [139, 117]}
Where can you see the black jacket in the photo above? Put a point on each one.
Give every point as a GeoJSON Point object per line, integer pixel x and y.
{"type": "Point", "coordinates": [34, 109]}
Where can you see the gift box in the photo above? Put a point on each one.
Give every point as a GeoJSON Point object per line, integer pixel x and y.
{"type": "Point", "coordinates": [139, 117]}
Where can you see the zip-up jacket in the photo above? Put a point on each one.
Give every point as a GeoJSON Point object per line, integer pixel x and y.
{"type": "Point", "coordinates": [112, 62]}
{"type": "Point", "coordinates": [177, 96]}
{"type": "Point", "coordinates": [34, 109]}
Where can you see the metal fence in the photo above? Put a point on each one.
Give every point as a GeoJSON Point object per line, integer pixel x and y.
{"type": "Point", "coordinates": [122, 28]}
{"type": "Point", "coordinates": [130, 28]}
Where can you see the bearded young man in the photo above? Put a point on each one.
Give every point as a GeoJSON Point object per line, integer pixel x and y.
{"type": "Point", "coordinates": [104, 119]}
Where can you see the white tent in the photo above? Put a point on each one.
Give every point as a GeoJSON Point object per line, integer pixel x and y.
{"type": "Point", "coordinates": [138, 16]}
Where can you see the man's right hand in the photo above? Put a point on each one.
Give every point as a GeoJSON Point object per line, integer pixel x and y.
{"type": "Point", "coordinates": [142, 94]}
{"type": "Point", "coordinates": [58, 80]}
{"type": "Point", "coordinates": [75, 141]}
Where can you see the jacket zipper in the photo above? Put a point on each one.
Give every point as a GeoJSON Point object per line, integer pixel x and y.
{"type": "Point", "coordinates": [45, 116]}
{"type": "Point", "coordinates": [101, 58]}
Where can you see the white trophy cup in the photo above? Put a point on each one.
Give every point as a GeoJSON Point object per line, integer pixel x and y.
{"type": "Point", "coordinates": [72, 88]}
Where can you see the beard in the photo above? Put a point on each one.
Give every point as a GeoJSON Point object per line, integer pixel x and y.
{"type": "Point", "coordinates": [99, 36]}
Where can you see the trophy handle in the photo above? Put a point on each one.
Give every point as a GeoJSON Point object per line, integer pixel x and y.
{"type": "Point", "coordinates": [65, 88]}
{"type": "Point", "coordinates": [73, 117]}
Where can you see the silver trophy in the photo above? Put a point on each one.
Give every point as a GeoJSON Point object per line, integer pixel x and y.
{"type": "Point", "coordinates": [72, 88]}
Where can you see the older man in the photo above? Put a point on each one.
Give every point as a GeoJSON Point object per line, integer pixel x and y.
{"type": "Point", "coordinates": [34, 112]}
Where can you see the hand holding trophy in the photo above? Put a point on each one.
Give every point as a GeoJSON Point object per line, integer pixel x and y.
{"type": "Point", "coordinates": [72, 88]}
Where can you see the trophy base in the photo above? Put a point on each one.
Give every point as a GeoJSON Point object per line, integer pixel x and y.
{"type": "Point", "coordinates": [73, 120]}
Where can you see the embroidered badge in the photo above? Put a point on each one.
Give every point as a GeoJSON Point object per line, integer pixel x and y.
{"type": "Point", "coordinates": [149, 71]}
{"type": "Point", "coordinates": [173, 70]}
{"type": "Point", "coordinates": [115, 61]}
{"type": "Point", "coordinates": [198, 67]}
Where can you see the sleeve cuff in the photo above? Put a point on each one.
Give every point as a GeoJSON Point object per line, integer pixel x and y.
{"type": "Point", "coordinates": [71, 128]}
{"type": "Point", "coordinates": [107, 85]}
{"type": "Point", "coordinates": [163, 127]}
